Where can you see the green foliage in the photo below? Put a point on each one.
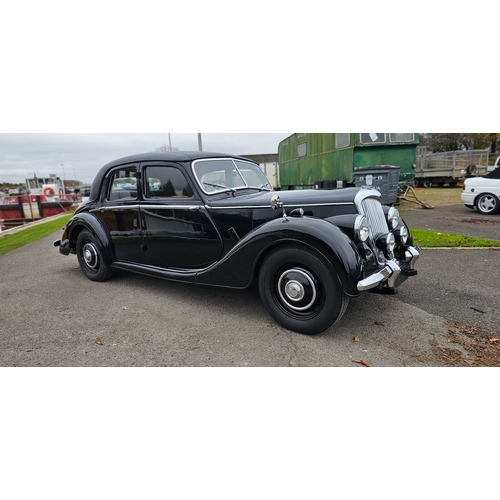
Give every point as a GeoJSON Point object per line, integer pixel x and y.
{"type": "Point", "coordinates": [458, 141]}
{"type": "Point", "coordinates": [431, 239]}
{"type": "Point", "coordinates": [18, 239]}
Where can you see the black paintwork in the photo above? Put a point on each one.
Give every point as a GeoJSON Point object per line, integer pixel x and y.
{"type": "Point", "coordinates": [215, 239]}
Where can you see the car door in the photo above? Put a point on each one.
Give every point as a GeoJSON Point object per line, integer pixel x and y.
{"type": "Point", "coordinates": [177, 232]}
{"type": "Point", "coordinates": [120, 213]}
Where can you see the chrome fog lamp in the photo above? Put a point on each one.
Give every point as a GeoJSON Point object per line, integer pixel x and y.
{"type": "Point", "coordinates": [402, 235]}
{"type": "Point", "coordinates": [387, 242]}
{"type": "Point", "coordinates": [362, 228]}
{"type": "Point", "coordinates": [393, 218]}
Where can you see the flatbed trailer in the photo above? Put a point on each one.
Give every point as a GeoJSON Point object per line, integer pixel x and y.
{"type": "Point", "coordinates": [450, 167]}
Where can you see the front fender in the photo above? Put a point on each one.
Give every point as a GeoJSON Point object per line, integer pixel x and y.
{"type": "Point", "coordinates": [238, 268]}
{"type": "Point", "coordinates": [86, 220]}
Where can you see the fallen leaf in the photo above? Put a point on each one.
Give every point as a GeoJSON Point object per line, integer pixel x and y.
{"type": "Point", "coordinates": [192, 348]}
{"type": "Point", "coordinates": [98, 341]}
{"type": "Point", "coordinates": [61, 309]}
{"type": "Point", "coordinates": [494, 340]}
{"type": "Point", "coordinates": [379, 323]}
{"type": "Point", "coordinates": [361, 362]}
{"type": "Point", "coordinates": [355, 339]}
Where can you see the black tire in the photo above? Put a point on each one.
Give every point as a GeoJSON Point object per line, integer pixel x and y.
{"type": "Point", "coordinates": [427, 183]}
{"type": "Point", "coordinates": [91, 259]}
{"type": "Point", "coordinates": [487, 204]}
{"type": "Point", "coordinates": [471, 170]}
{"type": "Point", "coordinates": [416, 182]}
{"type": "Point", "coordinates": [301, 291]}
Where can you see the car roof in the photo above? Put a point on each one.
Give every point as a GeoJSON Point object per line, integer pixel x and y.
{"type": "Point", "coordinates": [178, 156]}
{"type": "Point", "coordinates": [174, 156]}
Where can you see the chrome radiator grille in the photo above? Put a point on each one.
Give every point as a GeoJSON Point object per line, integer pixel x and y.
{"type": "Point", "coordinates": [375, 214]}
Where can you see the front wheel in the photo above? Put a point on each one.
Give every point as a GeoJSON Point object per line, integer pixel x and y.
{"type": "Point", "coordinates": [488, 204]}
{"type": "Point", "coordinates": [301, 291]}
{"type": "Point", "coordinates": [90, 257]}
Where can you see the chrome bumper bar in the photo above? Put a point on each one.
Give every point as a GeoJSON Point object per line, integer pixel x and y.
{"type": "Point", "coordinates": [390, 272]}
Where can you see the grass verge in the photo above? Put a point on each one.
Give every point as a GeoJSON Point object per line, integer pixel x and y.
{"type": "Point", "coordinates": [18, 239]}
{"type": "Point", "coordinates": [422, 237]}
{"type": "Point", "coordinates": [431, 239]}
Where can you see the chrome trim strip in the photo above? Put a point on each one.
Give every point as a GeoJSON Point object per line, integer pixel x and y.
{"type": "Point", "coordinates": [145, 206]}
{"type": "Point", "coordinates": [287, 206]}
{"type": "Point", "coordinates": [116, 207]}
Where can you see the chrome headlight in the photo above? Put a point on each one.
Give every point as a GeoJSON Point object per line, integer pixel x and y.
{"type": "Point", "coordinates": [391, 242]}
{"type": "Point", "coordinates": [362, 228]}
{"type": "Point", "coordinates": [387, 242]}
{"type": "Point", "coordinates": [393, 218]}
{"type": "Point", "coordinates": [402, 235]}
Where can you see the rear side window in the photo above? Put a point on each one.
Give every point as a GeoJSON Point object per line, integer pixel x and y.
{"type": "Point", "coordinates": [167, 182]}
{"type": "Point", "coordinates": [123, 184]}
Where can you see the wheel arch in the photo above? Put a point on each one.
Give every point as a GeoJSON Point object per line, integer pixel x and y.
{"type": "Point", "coordinates": [83, 221]}
{"type": "Point", "coordinates": [329, 255]}
{"type": "Point", "coordinates": [241, 266]}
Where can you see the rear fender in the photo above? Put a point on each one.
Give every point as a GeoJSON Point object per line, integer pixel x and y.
{"type": "Point", "coordinates": [78, 223]}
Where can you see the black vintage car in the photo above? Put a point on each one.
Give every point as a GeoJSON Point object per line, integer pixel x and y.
{"type": "Point", "coordinates": [214, 219]}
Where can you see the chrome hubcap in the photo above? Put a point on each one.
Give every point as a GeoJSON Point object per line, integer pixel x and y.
{"type": "Point", "coordinates": [90, 255]}
{"type": "Point", "coordinates": [294, 290]}
{"type": "Point", "coordinates": [297, 289]}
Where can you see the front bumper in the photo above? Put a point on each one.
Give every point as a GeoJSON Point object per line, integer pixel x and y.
{"type": "Point", "coordinates": [394, 272]}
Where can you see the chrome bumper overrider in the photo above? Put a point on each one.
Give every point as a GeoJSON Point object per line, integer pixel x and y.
{"type": "Point", "coordinates": [391, 271]}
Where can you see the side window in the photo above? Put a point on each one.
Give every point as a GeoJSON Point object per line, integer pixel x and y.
{"type": "Point", "coordinates": [166, 182]}
{"type": "Point", "coordinates": [408, 137]}
{"type": "Point", "coordinates": [373, 137]}
{"type": "Point", "coordinates": [123, 184]}
{"type": "Point", "coordinates": [342, 140]}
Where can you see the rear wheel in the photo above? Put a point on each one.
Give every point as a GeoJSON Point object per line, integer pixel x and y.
{"type": "Point", "coordinates": [301, 291]}
{"type": "Point", "coordinates": [90, 257]}
{"type": "Point", "coordinates": [488, 204]}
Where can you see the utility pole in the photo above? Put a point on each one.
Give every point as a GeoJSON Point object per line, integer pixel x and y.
{"type": "Point", "coordinates": [200, 147]}
{"type": "Point", "coordinates": [169, 143]}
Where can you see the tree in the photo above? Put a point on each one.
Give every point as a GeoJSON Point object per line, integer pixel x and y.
{"type": "Point", "coordinates": [163, 148]}
{"type": "Point", "coordinates": [438, 143]}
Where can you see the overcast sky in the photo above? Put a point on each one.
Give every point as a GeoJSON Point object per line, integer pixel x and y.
{"type": "Point", "coordinates": [80, 156]}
